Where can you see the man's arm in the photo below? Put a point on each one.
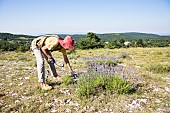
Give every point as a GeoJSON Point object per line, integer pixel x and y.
{"type": "Point", "coordinates": [67, 62]}
{"type": "Point", "coordinates": [66, 59]}
{"type": "Point", "coordinates": [46, 52]}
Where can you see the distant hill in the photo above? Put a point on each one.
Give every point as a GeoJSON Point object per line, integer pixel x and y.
{"type": "Point", "coordinates": [10, 36]}
{"type": "Point", "coordinates": [130, 36]}
{"type": "Point", "coordinates": [13, 36]}
{"type": "Point", "coordinates": [106, 37]}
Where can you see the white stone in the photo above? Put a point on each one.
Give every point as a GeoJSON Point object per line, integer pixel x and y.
{"type": "Point", "coordinates": [27, 78]}
{"type": "Point", "coordinates": [158, 101]}
{"type": "Point", "coordinates": [45, 94]}
{"type": "Point", "coordinates": [17, 101]}
{"type": "Point", "coordinates": [14, 94]}
{"type": "Point", "coordinates": [67, 110]}
{"type": "Point", "coordinates": [167, 89]}
{"type": "Point", "coordinates": [20, 84]}
{"type": "Point", "coordinates": [20, 78]}
{"type": "Point", "coordinates": [54, 111]}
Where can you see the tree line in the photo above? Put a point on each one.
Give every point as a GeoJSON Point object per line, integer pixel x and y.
{"type": "Point", "coordinates": [91, 40]}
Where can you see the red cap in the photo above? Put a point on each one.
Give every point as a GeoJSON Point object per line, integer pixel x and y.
{"type": "Point", "coordinates": [67, 42]}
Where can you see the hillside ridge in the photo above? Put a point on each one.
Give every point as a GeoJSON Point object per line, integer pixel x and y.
{"type": "Point", "coordinates": [104, 36]}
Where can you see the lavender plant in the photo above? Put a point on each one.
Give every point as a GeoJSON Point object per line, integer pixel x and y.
{"type": "Point", "coordinates": [105, 74]}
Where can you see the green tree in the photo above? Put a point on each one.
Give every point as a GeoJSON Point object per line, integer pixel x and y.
{"type": "Point", "coordinates": [113, 44]}
{"type": "Point", "coordinates": [93, 36]}
{"type": "Point", "coordinates": [139, 43]}
{"type": "Point", "coordinates": [90, 42]}
{"type": "Point", "coordinates": [122, 41]}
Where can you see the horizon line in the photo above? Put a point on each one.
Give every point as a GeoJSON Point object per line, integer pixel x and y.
{"type": "Point", "coordinates": [39, 34]}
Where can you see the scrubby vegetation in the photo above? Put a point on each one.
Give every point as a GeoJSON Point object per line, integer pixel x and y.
{"type": "Point", "coordinates": [113, 75]}
{"type": "Point", "coordinates": [110, 80]}
{"type": "Point", "coordinates": [159, 68]}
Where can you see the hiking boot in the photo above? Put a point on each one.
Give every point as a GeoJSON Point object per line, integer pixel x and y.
{"type": "Point", "coordinates": [57, 78]}
{"type": "Point", "coordinates": [46, 87]}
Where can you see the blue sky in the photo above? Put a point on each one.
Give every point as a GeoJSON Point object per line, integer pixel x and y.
{"type": "Point", "coordinates": [35, 17]}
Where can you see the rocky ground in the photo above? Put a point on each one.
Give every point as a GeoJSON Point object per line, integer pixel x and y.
{"type": "Point", "coordinates": [20, 91]}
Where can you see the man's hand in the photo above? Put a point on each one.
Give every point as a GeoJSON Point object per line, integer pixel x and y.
{"type": "Point", "coordinates": [51, 60]}
{"type": "Point", "coordinates": [74, 74]}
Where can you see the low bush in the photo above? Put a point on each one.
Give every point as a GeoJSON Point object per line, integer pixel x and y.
{"type": "Point", "coordinates": [66, 80]}
{"type": "Point", "coordinates": [103, 74]}
{"type": "Point", "coordinates": [158, 68]}
{"type": "Point", "coordinates": [94, 84]}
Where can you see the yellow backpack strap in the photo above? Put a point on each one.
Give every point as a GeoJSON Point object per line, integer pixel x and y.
{"type": "Point", "coordinates": [40, 41]}
{"type": "Point", "coordinates": [34, 43]}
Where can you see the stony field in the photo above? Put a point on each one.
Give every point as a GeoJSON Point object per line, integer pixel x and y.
{"type": "Point", "coordinates": [20, 92]}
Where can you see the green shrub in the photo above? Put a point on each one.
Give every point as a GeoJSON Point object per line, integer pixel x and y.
{"type": "Point", "coordinates": [114, 44]}
{"type": "Point", "coordinates": [22, 48]}
{"type": "Point", "coordinates": [116, 85]}
{"type": "Point", "coordinates": [124, 55]}
{"type": "Point", "coordinates": [92, 84]}
{"type": "Point", "coordinates": [90, 42]}
{"type": "Point", "coordinates": [67, 80]}
{"type": "Point", "coordinates": [71, 52]}
{"type": "Point", "coordinates": [86, 43]}
{"type": "Point", "coordinates": [84, 87]}
{"type": "Point", "coordinates": [158, 68]}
